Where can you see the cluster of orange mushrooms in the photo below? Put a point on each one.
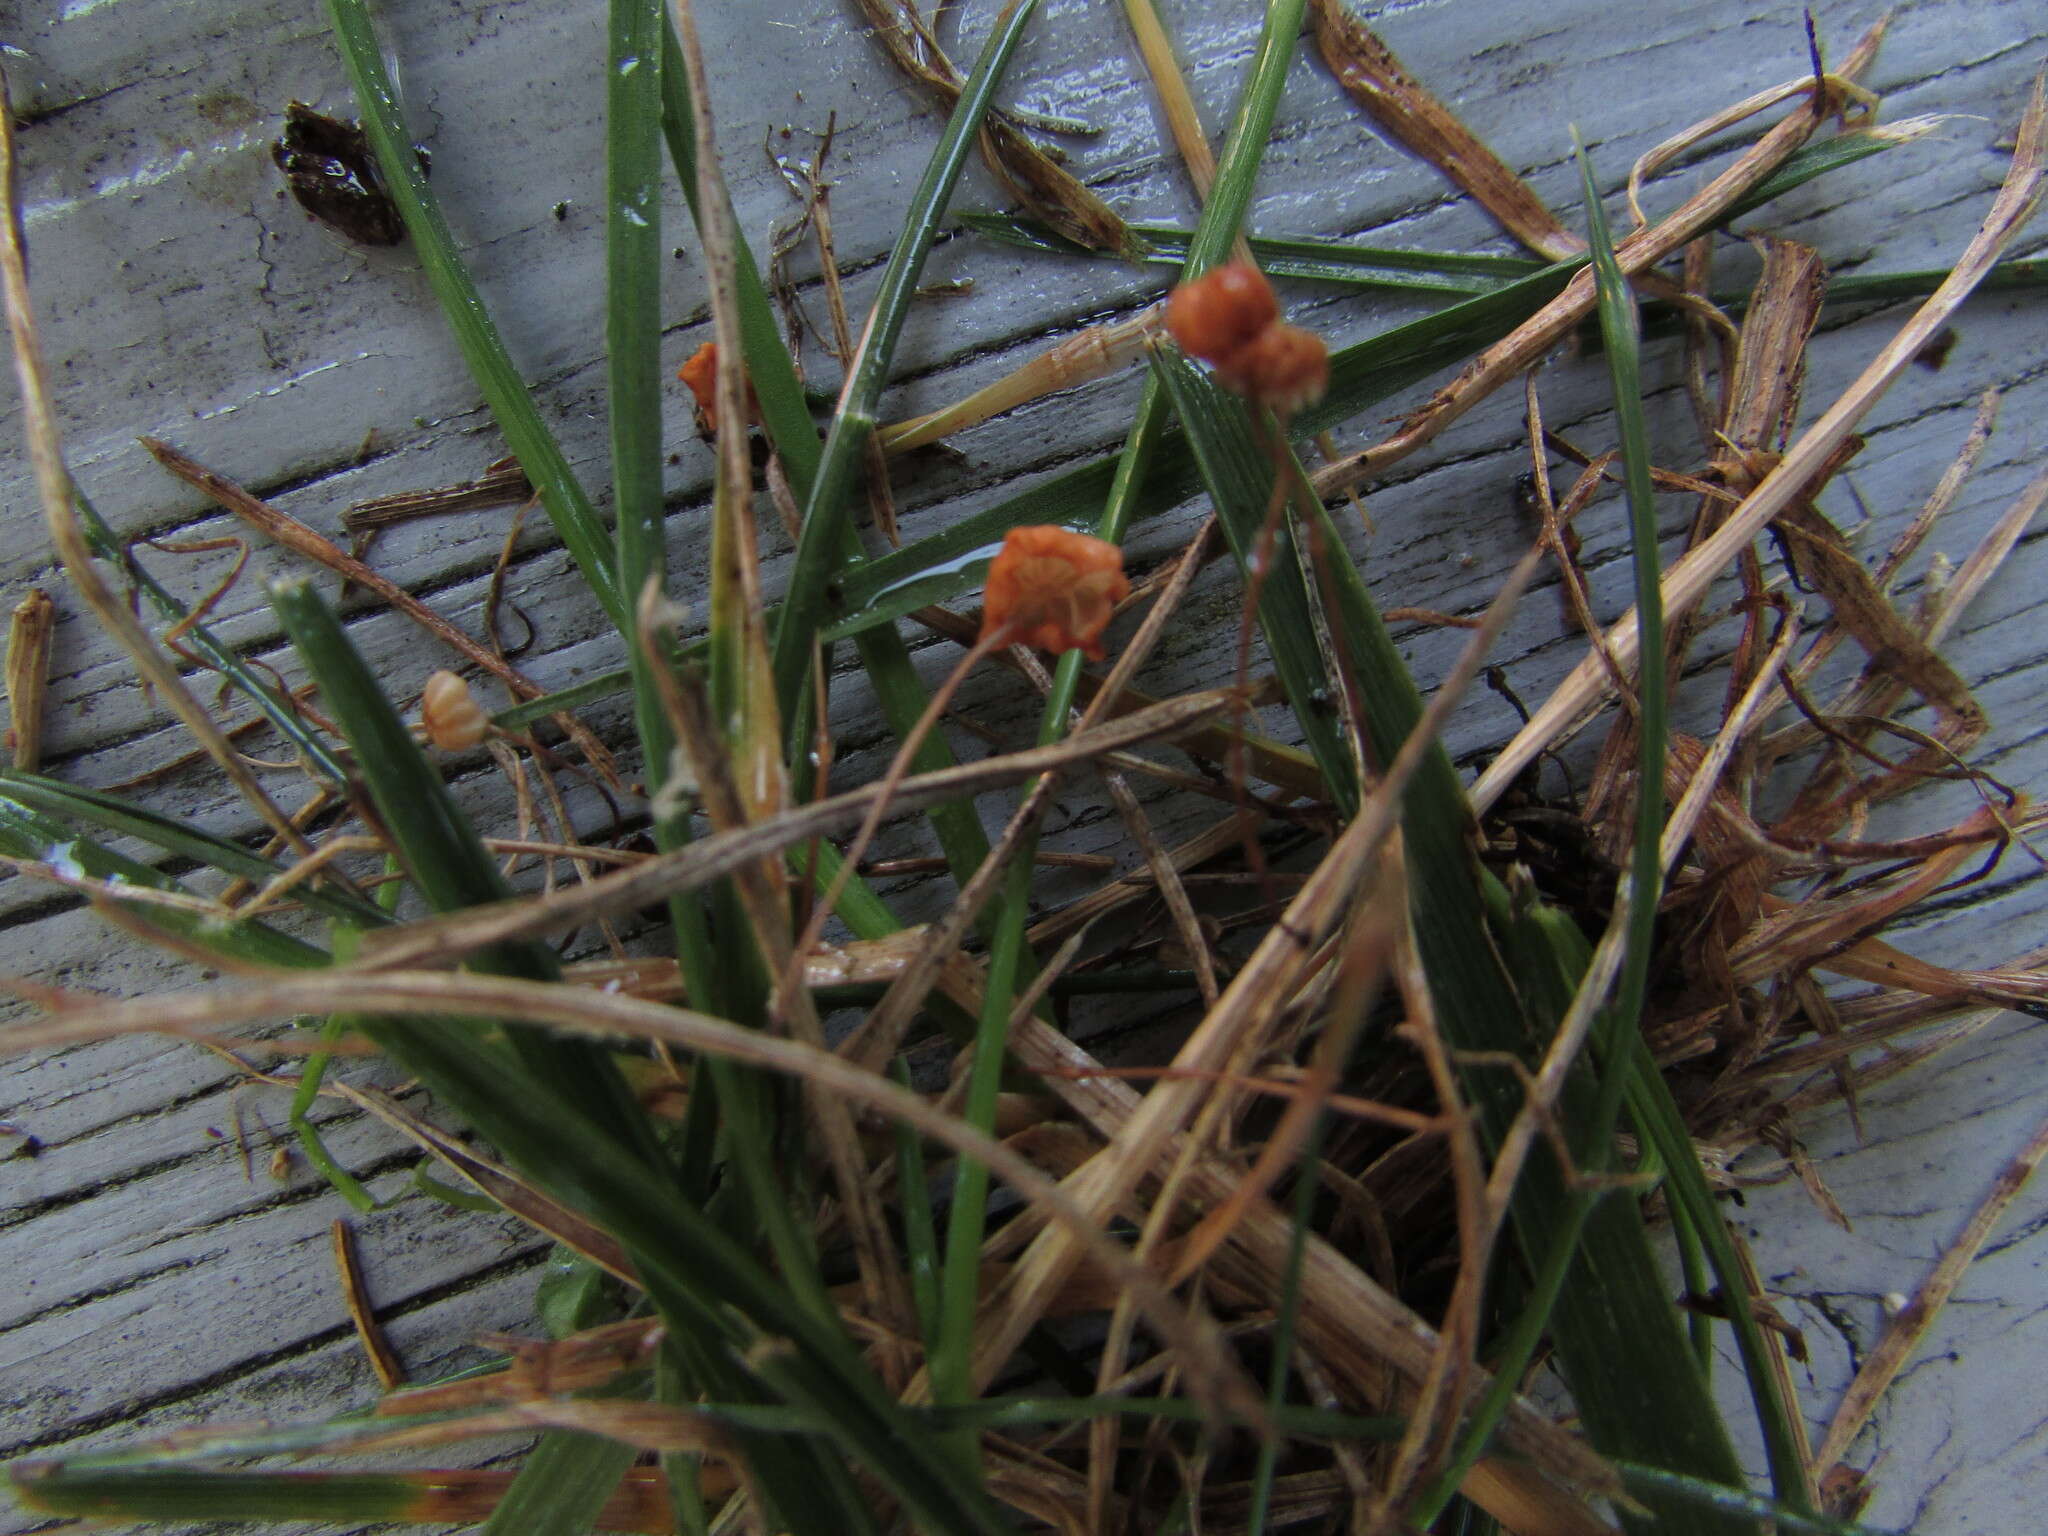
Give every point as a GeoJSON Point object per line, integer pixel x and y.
{"type": "Point", "coordinates": [1050, 587]}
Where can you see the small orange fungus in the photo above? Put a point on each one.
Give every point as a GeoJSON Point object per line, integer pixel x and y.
{"type": "Point", "coordinates": [1054, 589]}
{"type": "Point", "coordinates": [701, 374]}
{"type": "Point", "coordinates": [1229, 318]}
{"type": "Point", "coordinates": [1284, 367]}
{"type": "Point", "coordinates": [1221, 311]}
{"type": "Point", "coordinates": [453, 719]}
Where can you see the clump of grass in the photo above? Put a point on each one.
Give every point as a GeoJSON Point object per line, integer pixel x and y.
{"type": "Point", "coordinates": [1457, 1030]}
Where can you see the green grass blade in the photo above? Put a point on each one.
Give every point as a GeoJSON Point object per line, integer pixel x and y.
{"type": "Point", "coordinates": [706, 1284]}
{"type": "Point", "coordinates": [175, 1494]}
{"type": "Point", "coordinates": [561, 1486]}
{"type": "Point", "coordinates": [567, 1477]}
{"type": "Point", "coordinates": [637, 59]}
{"type": "Point", "coordinates": [2018, 273]}
{"type": "Point", "coordinates": [443, 857]}
{"type": "Point", "coordinates": [1647, 1481]}
{"type": "Point", "coordinates": [1361, 376]}
{"type": "Point", "coordinates": [1308, 1183]}
{"type": "Point", "coordinates": [920, 1231]}
{"type": "Point", "coordinates": [1389, 267]}
{"type": "Point", "coordinates": [75, 804]}
{"type": "Point", "coordinates": [27, 833]}
{"type": "Point", "coordinates": [1621, 336]}
{"type": "Point", "coordinates": [825, 509]}
{"type": "Point", "coordinates": [559, 1110]}
{"type": "Point", "coordinates": [1222, 216]}
{"type": "Point", "coordinates": [1622, 1057]}
{"type": "Point", "coordinates": [570, 510]}
{"type": "Point", "coordinates": [1336, 261]}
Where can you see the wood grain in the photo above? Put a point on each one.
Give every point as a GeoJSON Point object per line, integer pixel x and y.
{"type": "Point", "coordinates": [181, 296]}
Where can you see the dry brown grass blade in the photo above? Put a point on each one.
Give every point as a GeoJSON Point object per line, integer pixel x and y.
{"type": "Point", "coordinates": [1183, 122]}
{"type": "Point", "coordinates": [1052, 193]}
{"type": "Point", "coordinates": [1770, 360]}
{"type": "Point", "coordinates": [1687, 581]}
{"type": "Point", "coordinates": [297, 537]}
{"type": "Point", "coordinates": [1285, 767]}
{"type": "Point", "coordinates": [1209, 844]}
{"type": "Point", "coordinates": [858, 962]}
{"type": "Point", "coordinates": [1374, 78]}
{"type": "Point", "coordinates": [1093, 353]}
{"type": "Point", "coordinates": [384, 1363]}
{"type": "Point", "coordinates": [537, 1368]}
{"type": "Point", "coordinates": [1939, 500]}
{"type": "Point", "coordinates": [1878, 691]}
{"type": "Point", "coordinates": [1855, 101]}
{"type": "Point", "coordinates": [1943, 496]}
{"type": "Point", "coordinates": [29, 630]}
{"type": "Point", "coordinates": [1906, 1329]}
{"type": "Point", "coordinates": [1260, 987]}
{"type": "Point", "coordinates": [1536, 336]}
{"type": "Point", "coordinates": [1363, 955]}
{"type": "Point", "coordinates": [502, 484]}
{"type": "Point", "coordinates": [445, 940]}
{"type": "Point", "coordinates": [1986, 558]}
{"type": "Point", "coordinates": [1812, 930]}
{"type": "Point", "coordinates": [496, 1182]}
{"type": "Point", "coordinates": [53, 485]}
{"type": "Point", "coordinates": [1345, 1318]}
{"type": "Point", "coordinates": [1823, 558]}
{"type": "Point", "coordinates": [1348, 1322]}
{"type": "Point", "coordinates": [203, 1015]}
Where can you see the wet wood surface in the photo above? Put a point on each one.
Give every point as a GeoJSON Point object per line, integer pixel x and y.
{"type": "Point", "coordinates": [157, 1276]}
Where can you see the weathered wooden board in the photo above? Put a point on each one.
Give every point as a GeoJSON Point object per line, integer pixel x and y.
{"type": "Point", "coordinates": [149, 1282]}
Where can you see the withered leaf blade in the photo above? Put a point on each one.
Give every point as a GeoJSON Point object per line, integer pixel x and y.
{"type": "Point", "coordinates": [1374, 78]}
{"type": "Point", "coordinates": [28, 675]}
{"type": "Point", "coordinates": [1051, 192]}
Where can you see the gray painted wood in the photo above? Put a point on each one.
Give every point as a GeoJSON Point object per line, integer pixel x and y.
{"type": "Point", "coordinates": [153, 1284]}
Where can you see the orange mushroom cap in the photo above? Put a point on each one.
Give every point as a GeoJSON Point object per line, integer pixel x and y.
{"type": "Point", "coordinates": [1229, 318]}
{"type": "Point", "coordinates": [1054, 589]}
{"type": "Point", "coordinates": [701, 374]}
{"type": "Point", "coordinates": [1284, 367]}
{"type": "Point", "coordinates": [1221, 311]}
